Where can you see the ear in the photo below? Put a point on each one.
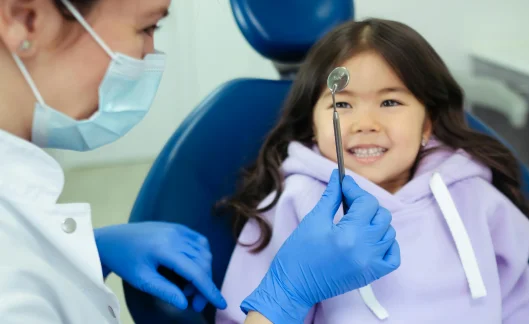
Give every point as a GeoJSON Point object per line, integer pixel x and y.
{"type": "Point", "coordinates": [25, 24]}
{"type": "Point", "coordinates": [16, 25]}
{"type": "Point", "coordinates": [427, 128]}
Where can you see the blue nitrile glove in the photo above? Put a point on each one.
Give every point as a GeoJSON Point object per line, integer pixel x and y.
{"type": "Point", "coordinates": [321, 260]}
{"type": "Point", "coordinates": [135, 251]}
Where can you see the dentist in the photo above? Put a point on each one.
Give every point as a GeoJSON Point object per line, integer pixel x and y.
{"type": "Point", "coordinates": [77, 75]}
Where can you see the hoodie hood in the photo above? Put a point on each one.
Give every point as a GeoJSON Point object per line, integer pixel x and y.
{"type": "Point", "coordinates": [434, 175]}
{"type": "Point", "coordinates": [452, 166]}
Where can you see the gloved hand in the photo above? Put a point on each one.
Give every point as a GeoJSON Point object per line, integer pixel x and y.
{"type": "Point", "coordinates": [321, 260]}
{"type": "Point", "coordinates": [135, 251]}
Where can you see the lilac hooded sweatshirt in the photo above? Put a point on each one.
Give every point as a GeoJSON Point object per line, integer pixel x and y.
{"type": "Point", "coordinates": [464, 247]}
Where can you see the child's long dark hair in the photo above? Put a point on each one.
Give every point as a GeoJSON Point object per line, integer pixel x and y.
{"type": "Point", "coordinates": [422, 71]}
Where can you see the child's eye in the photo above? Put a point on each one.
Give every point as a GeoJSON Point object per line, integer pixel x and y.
{"type": "Point", "coordinates": [390, 103]}
{"type": "Point", "coordinates": [343, 105]}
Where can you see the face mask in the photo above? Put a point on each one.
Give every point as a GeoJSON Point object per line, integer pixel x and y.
{"type": "Point", "coordinates": [125, 96]}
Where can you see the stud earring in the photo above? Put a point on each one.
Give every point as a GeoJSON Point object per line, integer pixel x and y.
{"type": "Point", "coordinates": [25, 45]}
{"type": "Point", "coordinates": [424, 142]}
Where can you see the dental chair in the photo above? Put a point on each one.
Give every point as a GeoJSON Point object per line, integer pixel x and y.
{"type": "Point", "coordinates": [201, 162]}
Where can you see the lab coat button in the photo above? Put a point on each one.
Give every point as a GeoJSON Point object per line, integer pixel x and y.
{"type": "Point", "coordinates": [69, 225]}
{"type": "Point", "coordinates": [111, 312]}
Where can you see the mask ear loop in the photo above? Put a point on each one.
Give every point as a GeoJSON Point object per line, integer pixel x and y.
{"type": "Point", "coordinates": [88, 28]}
{"type": "Point", "coordinates": [28, 78]}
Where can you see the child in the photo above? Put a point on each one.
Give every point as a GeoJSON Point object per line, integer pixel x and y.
{"type": "Point", "coordinates": [454, 194]}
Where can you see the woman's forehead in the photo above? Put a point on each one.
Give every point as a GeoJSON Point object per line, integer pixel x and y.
{"type": "Point", "coordinates": [141, 9]}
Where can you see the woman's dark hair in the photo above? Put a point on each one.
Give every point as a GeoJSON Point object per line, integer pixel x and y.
{"type": "Point", "coordinates": [83, 6]}
{"type": "Point", "coordinates": [422, 71]}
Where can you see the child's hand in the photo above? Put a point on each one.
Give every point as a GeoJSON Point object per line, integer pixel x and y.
{"type": "Point", "coordinates": [321, 260]}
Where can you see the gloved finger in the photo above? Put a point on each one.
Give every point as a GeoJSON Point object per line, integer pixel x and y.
{"type": "Point", "coordinates": [387, 241]}
{"type": "Point", "coordinates": [199, 303]}
{"type": "Point", "coordinates": [390, 235]}
{"type": "Point", "coordinates": [193, 273]}
{"type": "Point", "coordinates": [189, 290]}
{"type": "Point", "coordinates": [202, 258]}
{"type": "Point", "coordinates": [380, 225]}
{"type": "Point", "coordinates": [158, 286]}
{"type": "Point", "coordinates": [193, 236]}
{"type": "Point", "coordinates": [200, 250]}
{"type": "Point", "coordinates": [329, 202]}
{"type": "Point", "coordinates": [362, 205]}
{"type": "Point", "coordinates": [392, 257]}
{"type": "Point", "coordinates": [382, 217]}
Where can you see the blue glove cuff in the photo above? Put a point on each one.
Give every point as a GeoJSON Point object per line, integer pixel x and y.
{"type": "Point", "coordinates": [274, 303]}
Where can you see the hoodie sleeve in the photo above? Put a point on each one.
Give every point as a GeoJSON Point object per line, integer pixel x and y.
{"type": "Point", "coordinates": [246, 270]}
{"type": "Point", "coordinates": [510, 236]}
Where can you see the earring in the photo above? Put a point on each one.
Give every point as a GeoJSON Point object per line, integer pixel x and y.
{"type": "Point", "coordinates": [25, 45]}
{"type": "Point", "coordinates": [424, 142]}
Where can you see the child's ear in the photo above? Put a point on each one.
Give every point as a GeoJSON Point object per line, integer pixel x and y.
{"type": "Point", "coordinates": [427, 129]}
{"type": "Point", "coordinates": [314, 134]}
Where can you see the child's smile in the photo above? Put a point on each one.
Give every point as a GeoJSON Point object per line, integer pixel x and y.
{"type": "Point", "coordinates": [367, 153]}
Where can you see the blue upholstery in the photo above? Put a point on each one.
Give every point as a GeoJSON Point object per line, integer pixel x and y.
{"type": "Point", "coordinates": [284, 31]}
{"type": "Point", "coordinates": [200, 162]}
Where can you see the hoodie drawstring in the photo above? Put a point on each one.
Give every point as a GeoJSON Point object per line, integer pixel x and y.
{"type": "Point", "coordinates": [460, 236]}
{"type": "Point", "coordinates": [371, 301]}
{"type": "Point", "coordinates": [462, 242]}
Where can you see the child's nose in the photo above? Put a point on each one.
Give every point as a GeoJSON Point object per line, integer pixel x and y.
{"type": "Point", "coordinates": [364, 124]}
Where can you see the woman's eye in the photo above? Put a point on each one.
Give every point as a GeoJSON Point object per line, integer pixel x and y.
{"type": "Point", "coordinates": [343, 105]}
{"type": "Point", "coordinates": [151, 29]}
{"type": "Point", "coordinates": [390, 103]}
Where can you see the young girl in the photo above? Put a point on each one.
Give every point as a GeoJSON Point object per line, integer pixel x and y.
{"type": "Point", "coordinates": [454, 194]}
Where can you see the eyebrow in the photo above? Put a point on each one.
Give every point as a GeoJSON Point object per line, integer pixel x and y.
{"type": "Point", "coordinates": [160, 12]}
{"type": "Point", "coordinates": [379, 92]}
{"type": "Point", "coordinates": [393, 89]}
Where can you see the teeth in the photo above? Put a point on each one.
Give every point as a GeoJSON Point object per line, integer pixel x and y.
{"type": "Point", "coordinates": [368, 152]}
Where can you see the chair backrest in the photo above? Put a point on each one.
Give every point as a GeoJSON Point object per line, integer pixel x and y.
{"type": "Point", "coordinates": [197, 167]}
{"type": "Point", "coordinates": [201, 162]}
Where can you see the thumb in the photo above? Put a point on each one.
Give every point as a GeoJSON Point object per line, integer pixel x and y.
{"type": "Point", "coordinates": [329, 202]}
{"type": "Point", "coordinates": [362, 205]}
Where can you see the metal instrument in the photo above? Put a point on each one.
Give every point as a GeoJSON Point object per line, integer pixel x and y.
{"type": "Point", "coordinates": [337, 81]}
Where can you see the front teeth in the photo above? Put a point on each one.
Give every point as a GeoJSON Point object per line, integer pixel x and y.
{"type": "Point", "coordinates": [368, 152]}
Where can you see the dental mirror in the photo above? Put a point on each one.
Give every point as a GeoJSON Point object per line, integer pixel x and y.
{"type": "Point", "coordinates": [337, 81]}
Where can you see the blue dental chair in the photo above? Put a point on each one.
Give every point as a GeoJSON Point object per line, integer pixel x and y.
{"type": "Point", "coordinates": [185, 181]}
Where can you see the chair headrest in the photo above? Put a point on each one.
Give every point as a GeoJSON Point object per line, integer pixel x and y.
{"type": "Point", "coordinates": [284, 30]}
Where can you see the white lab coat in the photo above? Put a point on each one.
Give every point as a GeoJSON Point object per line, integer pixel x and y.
{"type": "Point", "coordinates": [50, 270]}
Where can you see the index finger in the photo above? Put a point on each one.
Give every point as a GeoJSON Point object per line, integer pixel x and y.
{"type": "Point", "coordinates": [193, 273]}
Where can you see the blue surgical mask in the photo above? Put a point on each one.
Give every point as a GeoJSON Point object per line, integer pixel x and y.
{"type": "Point", "coordinates": [125, 96]}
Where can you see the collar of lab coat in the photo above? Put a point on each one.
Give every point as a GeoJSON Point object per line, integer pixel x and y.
{"type": "Point", "coordinates": [28, 173]}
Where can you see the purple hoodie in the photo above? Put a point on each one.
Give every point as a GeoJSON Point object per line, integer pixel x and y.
{"type": "Point", "coordinates": [464, 246]}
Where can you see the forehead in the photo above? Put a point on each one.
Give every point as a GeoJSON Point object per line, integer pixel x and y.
{"type": "Point", "coordinates": [134, 8]}
{"type": "Point", "coordinates": [369, 70]}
